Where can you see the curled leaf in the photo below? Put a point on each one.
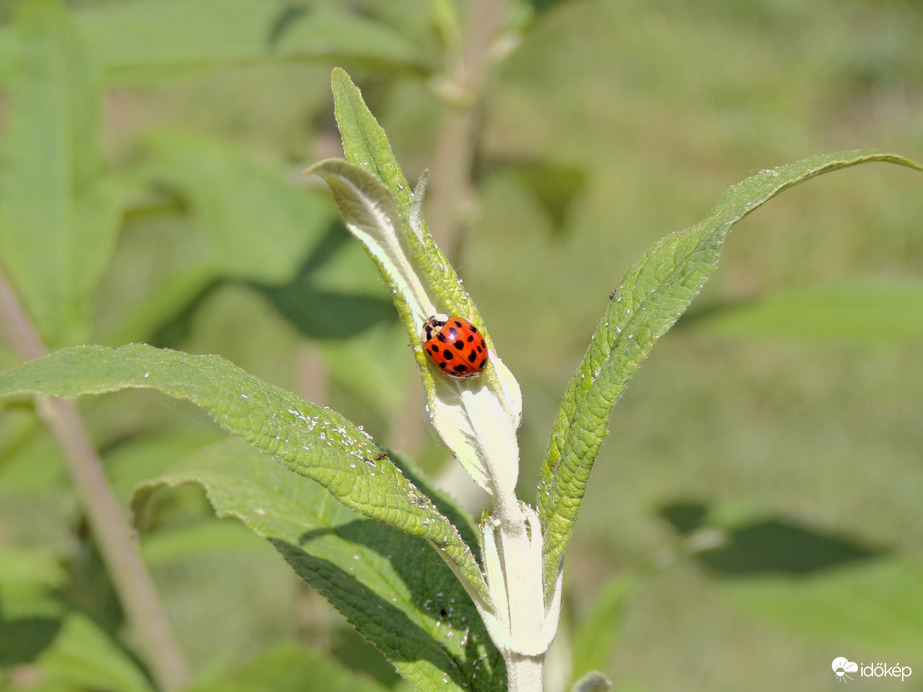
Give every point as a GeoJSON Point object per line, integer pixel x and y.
{"type": "Point", "coordinates": [476, 419]}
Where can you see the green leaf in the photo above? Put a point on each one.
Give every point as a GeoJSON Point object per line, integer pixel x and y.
{"type": "Point", "coordinates": [58, 218]}
{"type": "Point", "coordinates": [652, 295]}
{"type": "Point", "coordinates": [308, 439]}
{"type": "Point", "coordinates": [595, 639]}
{"type": "Point", "coordinates": [145, 456]}
{"type": "Point", "coordinates": [374, 365]}
{"type": "Point", "coordinates": [161, 304]}
{"type": "Point", "coordinates": [392, 587]}
{"type": "Point", "coordinates": [466, 414]}
{"type": "Point", "coordinates": [142, 42]}
{"type": "Point", "coordinates": [85, 655]}
{"type": "Point", "coordinates": [873, 606]}
{"type": "Point", "coordinates": [259, 225]}
{"type": "Point", "coordinates": [287, 668]}
{"type": "Point", "coordinates": [31, 583]}
{"type": "Point", "coordinates": [365, 142]}
{"type": "Point", "coordinates": [30, 567]}
{"type": "Point", "coordinates": [376, 202]}
{"type": "Point", "coordinates": [370, 213]}
{"type": "Point", "coordinates": [197, 539]}
{"type": "Point", "coordinates": [868, 311]}
{"type": "Point", "coordinates": [366, 145]}
{"type": "Point", "coordinates": [448, 24]}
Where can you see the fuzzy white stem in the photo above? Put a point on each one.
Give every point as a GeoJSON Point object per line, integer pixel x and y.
{"type": "Point", "coordinates": [524, 630]}
{"type": "Point", "coordinates": [521, 556]}
{"type": "Point", "coordinates": [524, 673]}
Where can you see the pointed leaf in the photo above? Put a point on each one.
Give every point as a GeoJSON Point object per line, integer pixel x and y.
{"type": "Point", "coordinates": [466, 414]}
{"type": "Point", "coordinates": [652, 295]}
{"type": "Point", "coordinates": [259, 225]}
{"type": "Point", "coordinates": [379, 208]}
{"type": "Point", "coordinates": [151, 40]}
{"type": "Point", "coordinates": [58, 219]}
{"type": "Point", "coordinates": [366, 145]}
{"type": "Point", "coordinates": [863, 310]}
{"type": "Point", "coordinates": [308, 439]}
{"type": "Point", "coordinates": [373, 217]}
{"type": "Point", "coordinates": [392, 587]}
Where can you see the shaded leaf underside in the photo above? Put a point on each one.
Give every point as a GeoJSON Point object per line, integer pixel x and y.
{"type": "Point", "coordinates": [391, 586]}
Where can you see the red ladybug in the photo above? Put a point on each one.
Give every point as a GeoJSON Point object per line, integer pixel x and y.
{"type": "Point", "coordinates": [455, 346]}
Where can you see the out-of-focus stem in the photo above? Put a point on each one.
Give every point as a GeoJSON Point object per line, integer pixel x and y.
{"type": "Point", "coordinates": [451, 194]}
{"type": "Point", "coordinates": [130, 577]}
{"type": "Point", "coordinates": [451, 199]}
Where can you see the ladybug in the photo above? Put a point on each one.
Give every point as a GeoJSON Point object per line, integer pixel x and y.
{"type": "Point", "coordinates": [455, 346]}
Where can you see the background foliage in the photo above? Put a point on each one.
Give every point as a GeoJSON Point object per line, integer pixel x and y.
{"type": "Point", "coordinates": [780, 414]}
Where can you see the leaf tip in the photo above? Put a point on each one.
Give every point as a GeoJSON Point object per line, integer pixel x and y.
{"type": "Point", "coordinates": [340, 78]}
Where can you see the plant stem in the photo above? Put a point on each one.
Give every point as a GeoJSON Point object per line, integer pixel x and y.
{"type": "Point", "coordinates": [130, 577]}
{"type": "Point", "coordinates": [526, 607]}
{"type": "Point", "coordinates": [515, 541]}
{"type": "Point", "coordinates": [452, 195]}
{"type": "Point", "coordinates": [524, 673]}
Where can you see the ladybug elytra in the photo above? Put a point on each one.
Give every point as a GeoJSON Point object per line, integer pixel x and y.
{"type": "Point", "coordinates": [455, 346]}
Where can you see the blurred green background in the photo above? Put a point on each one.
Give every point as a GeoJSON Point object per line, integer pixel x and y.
{"type": "Point", "coordinates": [779, 419]}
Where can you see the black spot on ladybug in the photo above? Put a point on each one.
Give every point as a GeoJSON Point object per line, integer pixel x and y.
{"type": "Point", "coordinates": [461, 367]}
{"type": "Point", "coordinates": [448, 355]}
{"type": "Point", "coordinates": [472, 357]}
{"type": "Point", "coordinates": [441, 337]}
{"type": "Point", "coordinates": [473, 328]}
{"type": "Point", "coordinates": [459, 344]}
